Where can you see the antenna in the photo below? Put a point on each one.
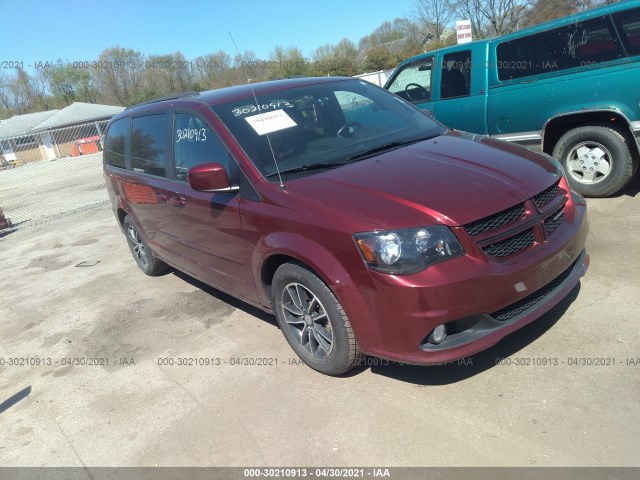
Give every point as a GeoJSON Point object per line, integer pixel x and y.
{"type": "Point", "coordinates": [246, 74]}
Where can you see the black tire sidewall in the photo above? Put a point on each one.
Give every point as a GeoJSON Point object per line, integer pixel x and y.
{"type": "Point", "coordinates": [339, 360]}
{"type": "Point", "coordinates": [152, 265]}
{"type": "Point", "coordinates": [621, 162]}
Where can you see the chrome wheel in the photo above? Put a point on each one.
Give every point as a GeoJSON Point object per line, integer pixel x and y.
{"type": "Point", "coordinates": [307, 320]}
{"type": "Point", "coordinates": [139, 252]}
{"type": "Point", "coordinates": [589, 162]}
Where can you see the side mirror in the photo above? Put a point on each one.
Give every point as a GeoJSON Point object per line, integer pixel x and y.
{"type": "Point", "coordinates": [210, 177]}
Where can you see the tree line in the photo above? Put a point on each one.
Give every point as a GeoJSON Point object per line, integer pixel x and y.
{"type": "Point", "coordinates": [123, 76]}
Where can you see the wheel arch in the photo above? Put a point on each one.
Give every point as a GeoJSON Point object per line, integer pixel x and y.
{"type": "Point", "coordinates": [120, 213]}
{"type": "Point", "coordinates": [557, 126]}
{"type": "Point", "coordinates": [293, 248]}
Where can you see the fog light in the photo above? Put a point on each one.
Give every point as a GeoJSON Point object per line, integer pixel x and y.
{"type": "Point", "coordinates": [438, 335]}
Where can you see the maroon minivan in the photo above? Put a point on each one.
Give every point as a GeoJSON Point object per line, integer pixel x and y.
{"type": "Point", "coordinates": [363, 224]}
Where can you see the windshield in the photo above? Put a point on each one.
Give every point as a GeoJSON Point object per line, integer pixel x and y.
{"type": "Point", "coordinates": [322, 126]}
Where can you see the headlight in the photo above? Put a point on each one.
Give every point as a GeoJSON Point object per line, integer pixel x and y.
{"type": "Point", "coordinates": [407, 250]}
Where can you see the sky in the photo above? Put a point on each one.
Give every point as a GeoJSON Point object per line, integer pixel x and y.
{"type": "Point", "coordinates": [44, 31]}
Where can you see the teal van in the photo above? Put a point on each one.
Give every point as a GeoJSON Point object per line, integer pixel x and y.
{"type": "Point", "coordinates": [569, 87]}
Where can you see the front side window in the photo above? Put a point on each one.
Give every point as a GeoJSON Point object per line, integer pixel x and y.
{"type": "Point", "coordinates": [194, 144]}
{"type": "Point", "coordinates": [576, 45]}
{"type": "Point", "coordinates": [148, 149]}
{"type": "Point", "coordinates": [114, 143]}
{"type": "Point", "coordinates": [325, 125]}
{"type": "Point", "coordinates": [413, 82]}
{"type": "Point", "coordinates": [456, 75]}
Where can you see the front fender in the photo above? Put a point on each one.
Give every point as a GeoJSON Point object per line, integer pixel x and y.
{"type": "Point", "coordinates": [311, 253]}
{"type": "Point", "coordinates": [322, 261]}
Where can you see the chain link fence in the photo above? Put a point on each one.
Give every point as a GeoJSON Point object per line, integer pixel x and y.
{"type": "Point", "coordinates": [51, 173]}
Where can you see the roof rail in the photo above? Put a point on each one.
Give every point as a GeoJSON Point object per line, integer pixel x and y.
{"type": "Point", "coordinates": [174, 96]}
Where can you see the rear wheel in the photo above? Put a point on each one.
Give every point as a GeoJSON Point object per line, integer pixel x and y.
{"type": "Point", "coordinates": [312, 320]}
{"type": "Point", "coordinates": [141, 252]}
{"type": "Point", "coordinates": [597, 160]}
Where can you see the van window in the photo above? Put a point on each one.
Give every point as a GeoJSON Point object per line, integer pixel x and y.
{"type": "Point", "coordinates": [148, 150]}
{"type": "Point", "coordinates": [576, 45]}
{"type": "Point", "coordinates": [628, 24]}
{"type": "Point", "coordinates": [456, 75]}
{"type": "Point", "coordinates": [114, 143]}
{"type": "Point", "coordinates": [413, 82]}
{"type": "Point", "coordinates": [194, 144]}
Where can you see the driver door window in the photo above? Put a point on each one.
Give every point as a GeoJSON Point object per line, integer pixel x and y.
{"type": "Point", "coordinates": [413, 83]}
{"type": "Point", "coordinates": [194, 144]}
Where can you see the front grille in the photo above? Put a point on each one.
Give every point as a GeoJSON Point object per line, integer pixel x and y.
{"type": "Point", "coordinates": [511, 245]}
{"type": "Point", "coordinates": [496, 220]}
{"type": "Point", "coordinates": [547, 195]}
{"type": "Point", "coordinates": [510, 223]}
{"type": "Point", "coordinates": [552, 222]}
{"type": "Point", "coordinates": [535, 298]}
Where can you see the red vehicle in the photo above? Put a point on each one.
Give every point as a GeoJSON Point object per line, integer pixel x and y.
{"type": "Point", "coordinates": [364, 225]}
{"type": "Point", "coordinates": [86, 145]}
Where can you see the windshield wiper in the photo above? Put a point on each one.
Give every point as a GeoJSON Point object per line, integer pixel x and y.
{"type": "Point", "coordinates": [384, 147]}
{"type": "Point", "coordinates": [304, 168]}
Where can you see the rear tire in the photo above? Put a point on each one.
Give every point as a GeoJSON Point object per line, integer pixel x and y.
{"type": "Point", "coordinates": [597, 160]}
{"type": "Point", "coordinates": [142, 254]}
{"type": "Point", "coordinates": [313, 321]}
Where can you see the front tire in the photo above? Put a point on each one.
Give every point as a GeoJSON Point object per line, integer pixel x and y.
{"type": "Point", "coordinates": [597, 160]}
{"type": "Point", "coordinates": [141, 252]}
{"type": "Point", "coordinates": [313, 321]}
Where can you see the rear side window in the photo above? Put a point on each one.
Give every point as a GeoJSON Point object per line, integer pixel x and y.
{"type": "Point", "coordinates": [148, 149]}
{"type": "Point", "coordinates": [114, 143]}
{"type": "Point", "coordinates": [577, 45]}
{"type": "Point", "coordinates": [194, 144]}
{"type": "Point", "coordinates": [628, 24]}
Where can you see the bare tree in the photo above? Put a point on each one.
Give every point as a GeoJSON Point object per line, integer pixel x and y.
{"type": "Point", "coordinates": [434, 15]}
{"type": "Point", "coordinates": [492, 17]}
{"type": "Point", "coordinates": [119, 75]}
{"type": "Point", "coordinates": [545, 10]}
{"type": "Point", "coordinates": [504, 16]}
{"type": "Point", "coordinates": [472, 10]}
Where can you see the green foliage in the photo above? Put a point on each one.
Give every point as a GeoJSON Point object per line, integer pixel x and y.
{"type": "Point", "coordinates": [70, 84]}
{"type": "Point", "coordinates": [286, 63]}
{"type": "Point", "coordinates": [379, 58]}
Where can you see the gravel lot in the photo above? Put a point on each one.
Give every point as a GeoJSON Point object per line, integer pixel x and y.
{"type": "Point", "coordinates": [40, 192]}
{"type": "Point", "coordinates": [74, 301]}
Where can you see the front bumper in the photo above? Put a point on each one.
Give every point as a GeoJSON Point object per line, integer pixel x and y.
{"type": "Point", "coordinates": [479, 299]}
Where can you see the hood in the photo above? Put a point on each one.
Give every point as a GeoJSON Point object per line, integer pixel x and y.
{"type": "Point", "coordinates": [452, 179]}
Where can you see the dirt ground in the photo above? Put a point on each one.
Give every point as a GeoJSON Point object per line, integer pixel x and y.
{"type": "Point", "coordinates": [86, 342]}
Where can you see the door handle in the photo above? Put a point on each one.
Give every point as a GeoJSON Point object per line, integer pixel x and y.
{"type": "Point", "coordinates": [178, 201]}
{"type": "Point", "coordinates": [161, 197]}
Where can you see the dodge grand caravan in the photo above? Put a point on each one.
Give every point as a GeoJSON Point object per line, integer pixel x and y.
{"type": "Point", "coordinates": [567, 87]}
{"type": "Point", "coordinates": [363, 224]}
